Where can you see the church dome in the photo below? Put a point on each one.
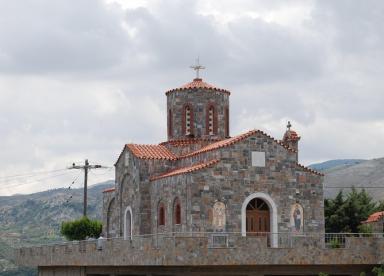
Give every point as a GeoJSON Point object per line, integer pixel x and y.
{"type": "Point", "coordinates": [198, 83]}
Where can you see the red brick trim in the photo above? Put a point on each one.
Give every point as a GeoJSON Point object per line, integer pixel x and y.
{"type": "Point", "coordinates": [198, 84]}
{"type": "Point", "coordinates": [183, 122]}
{"type": "Point", "coordinates": [109, 190]}
{"type": "Point", "coordinates": [185, 170]}
{"type": "Point", "coordinates": [209, 106]}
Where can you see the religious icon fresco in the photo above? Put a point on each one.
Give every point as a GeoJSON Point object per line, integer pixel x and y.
{"type": "Point", "coordinates": [297, 215]}
{"type": "Point", "coordinates": [219, 216]}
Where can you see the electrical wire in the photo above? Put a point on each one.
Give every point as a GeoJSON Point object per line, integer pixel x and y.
{"type": "Point", "coordinates": [29, 174]}
{"type": "Point", "coordinates": [104, 173]}
{"type": "Point", "coordinates": [73, 182]}
{"type": "Point", "coordinates": [12, 185]}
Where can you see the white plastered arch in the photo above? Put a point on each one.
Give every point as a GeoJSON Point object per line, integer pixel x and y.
{"type": "Point", "coordinates": [128, 235]}
{"type": "Point", "coordinates": [273, 216]}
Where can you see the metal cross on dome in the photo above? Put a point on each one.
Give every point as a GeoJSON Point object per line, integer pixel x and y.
{"type": "Point", "coordinates": [289, 125]}
{"type": "Point", "coordinates": [197, 67]}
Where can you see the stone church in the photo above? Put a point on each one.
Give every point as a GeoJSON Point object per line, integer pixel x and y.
{"type": "Point", "coordinates": [208, 203]}
{"type": "Point", "coordinates": [202, 179]}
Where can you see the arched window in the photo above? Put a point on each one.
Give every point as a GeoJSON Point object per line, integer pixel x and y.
{"type": "Point", "coordinates": [177, 212]}
{"type": "Point", "coordinates": [128, 223]}
{"type": "Point", "coordinates": [226, 119]}
{"type": "Point", "coordinates": [170, 127]}
{"type": "Point", "coordinates": [211, 121]}
{"type": "Point", "coordinates": [161, 215]}
{"type": "Point", "coordinates": [188, 120]}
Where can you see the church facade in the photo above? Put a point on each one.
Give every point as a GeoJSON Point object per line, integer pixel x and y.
{"type": "Point", "coordinates": [202, 179]}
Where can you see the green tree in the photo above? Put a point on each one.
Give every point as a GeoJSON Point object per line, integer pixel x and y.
{"type": "Point", "coordinates": [81, 229]}
{"type": "Point", "coordinates": [379, 271]}
{"type": "Point", "coordinates": [333, 216]}
{"type": "Point", "coordinates": [345, 214]}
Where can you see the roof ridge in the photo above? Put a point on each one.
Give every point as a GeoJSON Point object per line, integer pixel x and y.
{"type": "Point", "coordinates": [196, 84]}
{"type": "Point", "coordinates": [309, 169]}
{"type": "Point", "coordinates": [186, 169]}
{"type": "Point", "coordinates": [109, 190]}
{"type": "Point", "coordinates": [233, 140]}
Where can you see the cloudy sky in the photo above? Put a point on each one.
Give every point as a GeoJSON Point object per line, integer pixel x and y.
{"type": "Point", "coordinates": [80, 78]}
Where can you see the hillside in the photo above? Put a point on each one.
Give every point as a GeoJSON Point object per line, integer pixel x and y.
{"type": "Point", "coordinates": [337, 163]}
{"type": "Point", "coordinates": [36, 218]}
{"type": "Point", "coordinates": [366, 174]}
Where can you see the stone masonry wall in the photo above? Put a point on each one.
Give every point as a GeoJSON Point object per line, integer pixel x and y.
{"type": "Point", "coordinates": [233, 179]}
{"type": "Point", "coordinates": [198, 99]}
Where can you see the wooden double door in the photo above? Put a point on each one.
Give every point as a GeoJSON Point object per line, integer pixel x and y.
{"type": "Point", "coordinates": [257, 217]}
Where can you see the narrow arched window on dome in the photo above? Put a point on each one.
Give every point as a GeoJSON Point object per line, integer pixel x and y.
{"type": "Point", "coordinates": [226, 121]}
{"type": "Point", "coordinates": [188, 119]}
{"type": "Point", "coordinates": [170, 126]}
{"type": "Point", "coordinates": [211, 120]}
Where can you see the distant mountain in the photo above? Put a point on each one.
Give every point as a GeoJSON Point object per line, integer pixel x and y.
{"type": "Point", "coordinates": [36, 218]}
{"type": "Point", "coordinates": [338, 163]}
{"type": "Point", "coordinates": [365, 174]}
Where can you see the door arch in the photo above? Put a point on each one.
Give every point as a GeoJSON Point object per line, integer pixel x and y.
{"type": "Point", "coordinates": [257, 217]}
{"type": "Point", "coordinates": [128, 223]}
{"type": "Point", "coordinates": [272, 215]}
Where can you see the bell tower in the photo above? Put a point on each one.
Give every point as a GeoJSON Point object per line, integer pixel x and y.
{"type": "Point", "coordinates": [291, 139]}
{"type": "Point", "coordinates": [197, 110]}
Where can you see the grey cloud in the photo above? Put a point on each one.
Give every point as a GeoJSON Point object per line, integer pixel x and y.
{"type": "Point", "coordinates": [40, 36]}
{"type": "Point", "coordinates": [108, 84]}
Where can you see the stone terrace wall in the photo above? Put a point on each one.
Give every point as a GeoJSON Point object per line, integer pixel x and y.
{"type": "Point", "coordinates": [195, 251]}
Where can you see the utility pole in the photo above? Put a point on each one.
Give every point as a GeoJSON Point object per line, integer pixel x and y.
{"type": "Point", "coordinates": [86, 167]}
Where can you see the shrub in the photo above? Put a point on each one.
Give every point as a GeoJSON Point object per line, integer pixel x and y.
{"type": "Point", "coordinates": [335, 243]}
{"type": "Point", "coordinates": [379, 271]}
{"type": "Point", "coordinates": [81, 229]}
{"type": "Point", "coordinates": [366, 229]}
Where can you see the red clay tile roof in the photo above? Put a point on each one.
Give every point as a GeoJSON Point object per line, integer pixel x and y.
{"type": "Point", "coordinates": [196, 84]}
{"type": "Point", "coordinates": [151, 152]}
{"type": "Point", "coordinates": [291, 135]}
{"type": "Point", "coordinates": [374, 217]}
{"type": "Point", "coordinates": [185, 170]}
{"type": "Point", "coordinates": [191, 141]}
{"type": "Point", "coordinates": [308, 169]}
{"type": "Point", "coordinates": [109, 190]}
{"type": "Point", "coordinates": [233, 140]}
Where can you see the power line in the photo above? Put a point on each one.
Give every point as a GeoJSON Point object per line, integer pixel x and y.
{"type": "Point", "coordinates": [73, 182]}
{"type": "Point", "coordinates": [12, 185]}
{"type": "Point", "coordinates": [98, 174]}
{"type": "Point", "coordinates": [29, 174]}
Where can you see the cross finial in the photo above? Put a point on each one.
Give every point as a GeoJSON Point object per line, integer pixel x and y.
{"type": "Point", "coordinates": [289, 125]}
{"type": "Point", "coordinates": [197, 67]}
